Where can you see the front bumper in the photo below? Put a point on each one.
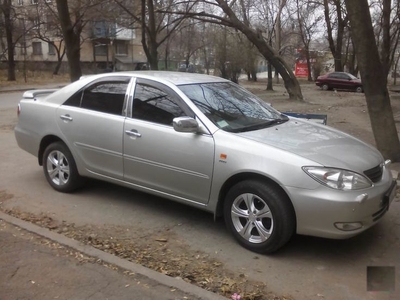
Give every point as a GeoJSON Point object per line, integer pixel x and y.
{"type": "Point", "coordinates": [317, 211]}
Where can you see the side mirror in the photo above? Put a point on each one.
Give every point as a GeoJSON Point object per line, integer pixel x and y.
{"type": "Point", "coordinates": [185, 124]}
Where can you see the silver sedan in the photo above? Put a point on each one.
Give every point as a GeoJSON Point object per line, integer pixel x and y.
{"type": "Point", "coordinates": [207, 142]}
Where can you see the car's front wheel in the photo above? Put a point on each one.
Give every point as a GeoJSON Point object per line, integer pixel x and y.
{"type": "Point", "coordinates": [325, 87]}
{"type": "Point", "coordinates": [259, 215]}
{"type": "Point", "coordinates": [60, 169]}
{"type": "Point", "coordinates": [359, 89]}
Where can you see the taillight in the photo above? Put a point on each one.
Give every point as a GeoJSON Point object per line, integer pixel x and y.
{"type": "Point", "coordinates": [18, 109]}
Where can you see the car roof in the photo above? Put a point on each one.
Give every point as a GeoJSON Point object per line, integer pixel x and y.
{"type": "Point", "coordinates": [176, 78]}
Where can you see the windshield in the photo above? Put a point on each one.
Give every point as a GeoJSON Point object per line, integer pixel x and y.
{"type": "Point", "coordinates": [232, 108]}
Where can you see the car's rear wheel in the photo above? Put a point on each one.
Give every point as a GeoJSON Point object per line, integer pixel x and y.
{"type": "Point", "coordinates": [359, 89]}
{"type": "Point", "coordinates": [259, 215]}
{"type": "Point", "coordinates": [60, 168]}
{"type": "Point", "coordinates": [325, 87]}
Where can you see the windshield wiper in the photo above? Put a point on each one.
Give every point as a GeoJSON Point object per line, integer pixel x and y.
{"type": "Point", "coordinates": [260, 125]}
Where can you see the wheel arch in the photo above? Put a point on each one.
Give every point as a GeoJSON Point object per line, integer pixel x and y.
{"type": "Point", "coordinates": [247, 176]}
{"type": "Point", "coordinates": [46, 141]}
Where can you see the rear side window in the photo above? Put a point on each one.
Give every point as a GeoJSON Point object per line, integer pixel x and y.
{"type": "Point", "coordinates": [106, 97]}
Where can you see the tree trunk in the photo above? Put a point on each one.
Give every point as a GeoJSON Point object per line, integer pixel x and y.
{"type": "Point", "coordinates": [72, 40]}
{"type": "Point", "coordinates": [374, 81]}
{"type": "Point", "coordinates": [59, 62]}
{"type": "Point", "coordinates": [6, 8]}
{"type": "Point", "coordinates": [269, 85]}
{"type": "Point", "coordinates": [278, 30]}
{"type": "Point", "coordinates": [341, 25]}
{"type": "Point", "coordinates": [385, 50]}
{"type": "Point", "coordinates": [254, 75]}
{"type": "Point", "coordinates": [148, 33]}
{"type": "Point", "coordinates": [395, 70]}
{"type": "Point", "coordinates": [308, 59]}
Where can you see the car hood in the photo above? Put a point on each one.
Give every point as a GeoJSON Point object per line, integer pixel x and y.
{"type": "Point", "coordinates": [321, 144]}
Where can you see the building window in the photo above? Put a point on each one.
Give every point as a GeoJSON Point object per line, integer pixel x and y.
{"type": "Point", "coordinates": [20, 2]}
{"type": "Point", "coordinates": [50, 22]}
{"type": "Point", "coordinates": [34, 1]}
{"type": "Point", "coordinates": [35, 22]}
{"type": "Point", "coordinates": [100, 49]}
{"type": "Point", "coordinates": [37, 48]}
{"type": "Point", "coordinates": [121, 48]}
{"type": "Point", "coordinates": [52, 49]}
{"type": "Point", "coordinates": [23, 48]}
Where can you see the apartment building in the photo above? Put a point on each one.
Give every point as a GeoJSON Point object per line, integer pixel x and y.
{"type": "Point", "coordinates": [107, 43]}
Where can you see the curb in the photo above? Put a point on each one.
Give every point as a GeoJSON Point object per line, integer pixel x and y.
{"type": "Point", "coordinates": [114, 260]}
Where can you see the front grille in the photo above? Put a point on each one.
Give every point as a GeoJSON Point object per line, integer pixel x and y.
{"type": "Point", "coordinates": [374, 174]}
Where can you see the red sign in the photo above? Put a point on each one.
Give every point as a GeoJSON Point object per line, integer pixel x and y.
{"type": "Point", "coordinates": [301, 70]}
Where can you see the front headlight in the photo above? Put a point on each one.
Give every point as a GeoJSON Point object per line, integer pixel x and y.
{"type": "Point", "coordinates": [338, 179]}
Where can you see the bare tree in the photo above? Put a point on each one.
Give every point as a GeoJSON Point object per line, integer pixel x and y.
{"type": "Point", "coordinates": [374, 79]}
{"type": "Point", "coordinates": [7, 11]}
{"type": "Point", "coordinates": [336, 20]}
{"type": "Point", "coordinates": [72, 33]}
{"type": "Point", "coordinates": [238, 21]}
{"type": "Point", "coordinates": [386, 18]}
{"type": "Point", "coordinates": [271, 20]}
{"type": "Point", "coordinates": [308, 23]}
{"type": "Point", "coordinates": [73, 17]}
{"type": "Point", "coordinates": [48, 30]}
{"type": "Point", "coordinates": [156, 23]}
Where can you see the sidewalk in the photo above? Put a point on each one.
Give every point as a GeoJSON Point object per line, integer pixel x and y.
{"type": "Point", "coordinates": [33, 267]}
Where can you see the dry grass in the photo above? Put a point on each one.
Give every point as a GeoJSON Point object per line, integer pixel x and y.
{"type": "Point", "coordinates": [32, 77]}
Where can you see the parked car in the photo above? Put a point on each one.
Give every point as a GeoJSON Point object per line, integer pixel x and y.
{"type": "Point", "coordinates": [209, 143]}
{"type": "Point", "coordinates": [339, 81]}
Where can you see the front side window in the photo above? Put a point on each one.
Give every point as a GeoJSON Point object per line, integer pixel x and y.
{"type": "Point", "coordinates": [156, 105]}
{"type": "Point", "coordinates": [231, 107]}
{"type": "Point", "coordinates": [106, 97]}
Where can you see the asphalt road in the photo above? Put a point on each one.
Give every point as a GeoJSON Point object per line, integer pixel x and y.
{"type": "Point", "coordinates": [307, 268]}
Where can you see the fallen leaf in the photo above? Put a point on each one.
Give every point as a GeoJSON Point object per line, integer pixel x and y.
{"type": "Point", "coordinates": [162, 240]}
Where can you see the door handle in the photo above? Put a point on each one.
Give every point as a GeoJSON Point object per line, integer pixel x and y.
{"type": "Point", "coordinates": [133, 133]}
{"type": "Point", "coordinates": [66, 118]}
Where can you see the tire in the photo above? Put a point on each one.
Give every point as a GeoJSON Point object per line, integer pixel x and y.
{"type": "Point", "coordinates": [272, 222]}
{"type": "Point", "coordinates": [60, 168]}
{"type": "Point", "coordinates": [325, 87]}
{"type": "Point", "coordinates": [359, 89]}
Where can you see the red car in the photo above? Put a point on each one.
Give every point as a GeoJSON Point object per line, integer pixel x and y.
{"type": "Point", "coordinates": [340, 81]}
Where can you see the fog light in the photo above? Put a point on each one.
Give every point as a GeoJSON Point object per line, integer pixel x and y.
{"type": "Point", "coordinates": [349, 226]}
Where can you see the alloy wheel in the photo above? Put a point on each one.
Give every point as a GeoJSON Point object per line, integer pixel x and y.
{"type": "Point", "coordinates": [252, 218]}
{"type": "Point", "coordinates": [58, 168]}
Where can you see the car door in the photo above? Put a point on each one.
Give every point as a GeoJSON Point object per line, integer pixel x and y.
{"type": "Point", "coordinates": [159, 158]}
{"type": "Point", "coordinates": [347, 84]}
{"type": "Point", "coordinates": [335, 81]}
{"type": "Point", "coordinates": [92, 122]}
